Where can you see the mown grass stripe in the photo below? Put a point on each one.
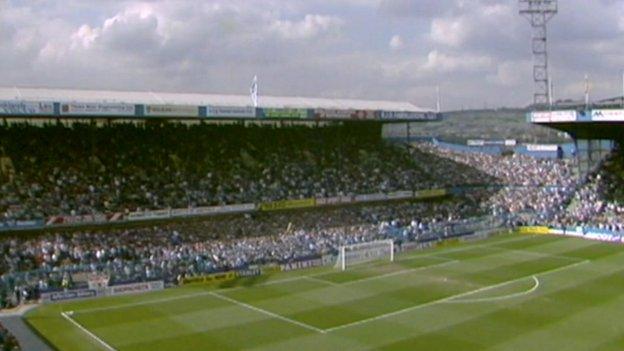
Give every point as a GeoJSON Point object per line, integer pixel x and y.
{"type": "Point", "coordinates": [265, 312]}
{"type": "Point", "coordinates": [87, 331]}
{"type": "Point", "coordinates": [449, 298]}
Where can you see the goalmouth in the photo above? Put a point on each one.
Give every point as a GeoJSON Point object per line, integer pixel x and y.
{"type": "Point", "coordinates": [349, 255]}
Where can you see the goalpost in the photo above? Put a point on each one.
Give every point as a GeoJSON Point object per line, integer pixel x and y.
{"type": "Point", "coordinates": [364, 252]}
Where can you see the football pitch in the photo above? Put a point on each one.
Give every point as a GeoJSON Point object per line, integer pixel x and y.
{"type": "Point", "coordinates": [510, 292]}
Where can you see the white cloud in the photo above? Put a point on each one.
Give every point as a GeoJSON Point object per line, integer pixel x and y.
{"type": "Point", "coordinates": [450, 31]}
{"type": "Point", "coordinates": [309, 27]}
{"type": "Point", "coordinates": [396, 42]}
{"type": "Point", "coordinates": [441, 62]}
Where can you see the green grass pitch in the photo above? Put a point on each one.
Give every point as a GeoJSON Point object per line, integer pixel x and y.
{"type": "Point", "coordinates": [510, 292]}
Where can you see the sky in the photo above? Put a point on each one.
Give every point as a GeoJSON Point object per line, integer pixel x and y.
{"type": "Point", "coordinates": [477, 51]}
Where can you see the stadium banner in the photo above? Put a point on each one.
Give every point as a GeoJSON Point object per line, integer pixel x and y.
{"type": "Point", "coordinates": [406, 115]}
{"type": "Point", "coordinates": [534, 230]}
{"type": "Point", "coordinates": [589, 234]}
{"type": "Point", "coordinates": [554, 116]}
{"type": "Point", "coordinates": [364, 115]}
{"type": "Point", "coordinates": [222, 209]}
{"type": "Point", "coordinates": [180, 212]}
{"type": "Point", "coordinates": [249, 272]}
{"type": "Point", "coordinates": [68, 295]}
{"type": "Point", "coordinates": [400, 195]}
{"type": "Point", "coordinates": [96, 109]}
{"type": "Point", "coordinates": [291, 266]}
{"type": "Point", "coordinates": [428, 194]}
{"type": "Point", "coordinates": [84, 219]}
{"type": "Point", "coordinates": [210, 278]}
{"type": "Point", "coordinates": [370, 197]}
{"type": "Point", "coordinates": [321, 113]}
{"type": "Point", "coordinates": [607, 115]}
{"type": "Point", "coordinates": [481, 142]}
{"type": "Point", "coordinates": [21, 224]}
{"type": "Point", "coordinates": [26, 108]}
{"type": "Point", "coordinates": [473, 142]}
{"type": "Point", "coordinates": [287, 204]}
{"type": "Point", "coordinates": [296, 113]}
{"type": "Point", "coordinates": [231, 111]}
{"type": "Point", "coordinates": [542, 148]}
{"type": "Point", "coordinates": [336, 200]}
{"type": "Point", "coordinates": [171, 111]}
{"type": "Point", "coordinates": [138, 216]}
{"type": "Point", "coordinates": [135, 288]}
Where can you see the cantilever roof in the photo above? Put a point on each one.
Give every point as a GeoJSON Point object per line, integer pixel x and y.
{"type": "Point", "coordinates": [136, 97]}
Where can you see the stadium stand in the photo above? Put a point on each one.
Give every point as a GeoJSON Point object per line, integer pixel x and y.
{"type": "Point", "coordinates": [175, 251]}
{"type": "Point", "coordinates": [84, 169]}
{"type": "Point", "coordinates": [599, 202]}
{"type": "Point", "coordinates": [539, 188]}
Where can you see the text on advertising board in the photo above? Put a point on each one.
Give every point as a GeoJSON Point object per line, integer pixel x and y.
{"type": "Point", "coordinates": [608, 115]}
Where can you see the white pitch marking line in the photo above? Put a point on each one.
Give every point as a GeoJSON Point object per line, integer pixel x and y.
{"type": "Point", "coordinates": [311, 277]}
{"type": "Point", "coordinates": [536, 284]}
{"type": "Point", "coordinates": [318, 280]}
{"type": "Point", "coordinates": [141, 303]}
{"type": "Point", "coordinates": [265, 312]}
{"type": "Point", "coordinates": [287, 280]}
{"type": "Point", "coordinates": [449, 298]}
{"type": "Point", "coordinates": [86, 331]}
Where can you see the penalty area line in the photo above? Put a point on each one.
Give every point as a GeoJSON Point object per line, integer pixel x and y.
{"type": "Point", "coordinates": [536, 284]}
{"type": "Point", "coordinates": [67, 316]}
{"type": "Point", "coordinates": [267, 313]}
{"type": "Point", "coordinates": [450, 298]}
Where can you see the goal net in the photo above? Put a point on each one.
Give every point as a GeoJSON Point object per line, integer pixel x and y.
{"type": "Point", "coordinates": [349, 255]}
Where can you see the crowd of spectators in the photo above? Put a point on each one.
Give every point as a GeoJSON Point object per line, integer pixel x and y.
{"type": "Point", "coordinates": [599, 202]}
{"type": "Point", "coordinates": [177, 250]}
{"type": "Point", "coordinates": [520, 184]}
{"type": "Point", "coordinates": [83, 169]}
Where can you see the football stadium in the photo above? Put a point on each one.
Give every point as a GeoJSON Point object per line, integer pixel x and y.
{"type": "Point", "coordinates": [141, 219]}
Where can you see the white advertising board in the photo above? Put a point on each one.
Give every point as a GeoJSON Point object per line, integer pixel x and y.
{"type": "Point", "coordinates": [171, 111]}
{"type": "Point", "coordinates": [541, 148]}
{"type": "Point", "coordinates": [607, 115]}
{"type": "Point", "coordinates": [97, 109]}
{"type": "Point", "coordinates": [231, 111]}
{"type": "Point", "coordinates": [553, 116]}
{"type": "Point", "coordinates": [26, 108]}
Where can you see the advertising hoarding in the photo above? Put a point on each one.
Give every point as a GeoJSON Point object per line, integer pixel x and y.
{"type": "Point", "coordinates": [135, 288]}
{"type": "Point", "coordinates": [287, 204]}
{"type": "Point", "coordinates": [322, 113]}
{"type": "Point", "coordinates": [97, 109]}
{"type": "Point", "coordinates": [299, 113]}
{"type": "Point", "coordinates": [171, 111]}
{"type": "Point", "coordinates": [542, 147]}
{"type": "Point", "coordinates": [26, 108]}
{"type": "Point", "coordinates": [553, 116]}
{"type": "Point", "coordinates": [407, 115]}
{"type": "Point", "coordinates": [231, 111]}
{"type": "Point", "coordinates": [364, 114]}
{"type": "Point", "coordinates": [607, 115]}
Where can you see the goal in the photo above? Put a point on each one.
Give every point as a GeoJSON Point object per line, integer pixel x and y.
{"type": "Point", "coordinates": [349, 255]}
